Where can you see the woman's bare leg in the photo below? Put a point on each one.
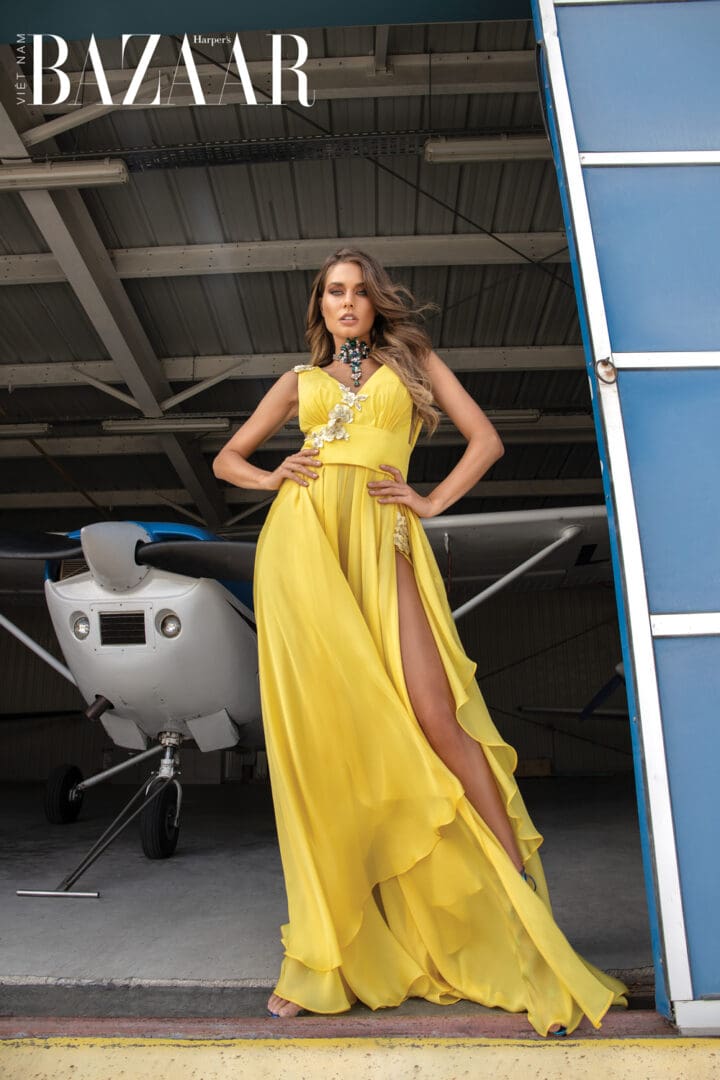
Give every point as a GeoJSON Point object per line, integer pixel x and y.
{"type": "Point", "coordinates": [434, 706]}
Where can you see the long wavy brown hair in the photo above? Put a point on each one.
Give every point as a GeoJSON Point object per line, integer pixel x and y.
{"type": "Point", "coordinates": [396, 339]}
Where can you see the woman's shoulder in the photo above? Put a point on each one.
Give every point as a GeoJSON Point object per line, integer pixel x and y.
{"type": "Point", "coordinates": [288, 382]}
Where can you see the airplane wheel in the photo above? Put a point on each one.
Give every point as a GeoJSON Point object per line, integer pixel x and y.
{"type": "Point", "coordinates": [158, 833]}
{"type": "Point", "coordinates": [60, 809]}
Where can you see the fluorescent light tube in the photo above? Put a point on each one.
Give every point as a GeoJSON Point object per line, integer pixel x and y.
{"type": "Point", "coordinates": [35, 176]}
{"type": "Point", "coordinates": [442, 150]}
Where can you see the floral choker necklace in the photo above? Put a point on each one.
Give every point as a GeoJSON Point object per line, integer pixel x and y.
{"type": "Point", "coordinates": [353, 352]}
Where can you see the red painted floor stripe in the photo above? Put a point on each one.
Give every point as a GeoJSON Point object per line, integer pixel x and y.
{"type": "Point", "coordinates": [636, 1024]}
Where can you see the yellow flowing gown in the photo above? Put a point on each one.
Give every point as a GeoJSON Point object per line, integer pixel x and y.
{"type": "Point", "coordinates": [396, 887]}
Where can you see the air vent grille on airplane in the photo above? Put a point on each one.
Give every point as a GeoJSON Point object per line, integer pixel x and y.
{"type": "Point", "coordinates": [72, 567]}
{"type": "Point", "coordinates": [122, 627]}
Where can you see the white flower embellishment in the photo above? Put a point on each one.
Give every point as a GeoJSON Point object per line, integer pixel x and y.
{"type": "Point", "coordinates": [338, 417]}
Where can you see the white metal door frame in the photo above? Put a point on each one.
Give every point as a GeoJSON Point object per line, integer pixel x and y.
{"type": "Point", "coordinates": [619, 484]}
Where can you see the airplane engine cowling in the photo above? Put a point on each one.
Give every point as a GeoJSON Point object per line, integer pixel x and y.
{"type": "Point", "coordinates": [157, 682]}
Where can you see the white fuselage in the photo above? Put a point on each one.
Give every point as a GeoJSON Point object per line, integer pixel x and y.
{"type": "Point", "coordinates": [202, 684]}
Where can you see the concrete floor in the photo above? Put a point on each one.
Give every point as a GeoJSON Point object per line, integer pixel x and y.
{"type": "Point", "coordinates": [197, 934]}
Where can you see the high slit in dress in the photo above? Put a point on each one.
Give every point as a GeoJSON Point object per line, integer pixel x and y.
{"type": "Point", "coordinates": [396, 887]}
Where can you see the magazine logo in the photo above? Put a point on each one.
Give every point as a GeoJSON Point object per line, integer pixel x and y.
{"type": "Point", "coordinates": [50, 54]}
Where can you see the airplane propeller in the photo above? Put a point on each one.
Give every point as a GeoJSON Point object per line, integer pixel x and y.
{"type": "Point", "coordinates": [38, 545]}
{"type": "Point", "coordinates": [231, 560]}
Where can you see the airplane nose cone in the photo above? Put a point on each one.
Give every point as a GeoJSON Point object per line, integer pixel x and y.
{"type": "Point", "coordinates": [109, 550]}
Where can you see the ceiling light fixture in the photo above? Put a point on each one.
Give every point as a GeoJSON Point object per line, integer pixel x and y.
{"type": "Point", "coordinates": [34, 176]}
{"type": "Point", "coordinates": [513, 416]}
{"type": "Point", "coordinates": [445, 151]}
{"type": "Point", "coordinates": [172, 425]}
{"type": "Point", "coordinates": [23, 431]}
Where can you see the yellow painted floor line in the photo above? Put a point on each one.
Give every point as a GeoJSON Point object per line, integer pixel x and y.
{"type": "Point", "coordinates": [357, 1059]}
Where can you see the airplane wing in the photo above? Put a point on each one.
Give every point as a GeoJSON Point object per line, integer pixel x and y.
{"type": "Point", "coordinates": [473, 551]}
{"type": "Point", "coordinates": [479, 553]}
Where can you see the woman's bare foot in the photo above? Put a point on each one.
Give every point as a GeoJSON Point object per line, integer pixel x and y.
{"type": "Point", "coordinates": [280, 1006]}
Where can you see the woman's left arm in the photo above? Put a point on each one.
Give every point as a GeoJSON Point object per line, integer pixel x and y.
{"type": "Point", "coordinates": [484, 448]}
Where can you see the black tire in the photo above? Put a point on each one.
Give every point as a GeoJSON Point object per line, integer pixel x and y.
{"type": "Point", "coordinates": [158, 833]}
{"type": "Point", "coordinates": [60, 809]}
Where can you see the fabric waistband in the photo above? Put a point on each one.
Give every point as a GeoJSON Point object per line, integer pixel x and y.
{"type": "Point", "coordinates": [366, 445]}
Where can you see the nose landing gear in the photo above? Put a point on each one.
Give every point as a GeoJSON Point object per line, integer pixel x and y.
{"type": "Point", "coordinates": [157, 803]}
{"type": "Point", "coordinates": [160, 818]}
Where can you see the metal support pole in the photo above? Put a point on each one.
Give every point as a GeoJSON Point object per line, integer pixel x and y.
{"type": "Point", "coordinates": [99, 777]}
{"type": "Point", "coordinates": [566, 535]}
{"type": "Point", "coordinates": [38, 650]}
{"type": "Point", "coordinates": [111, 833]}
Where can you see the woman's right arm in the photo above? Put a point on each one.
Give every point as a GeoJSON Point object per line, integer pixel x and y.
{"type": "Point", "coordinates": [279, 405]}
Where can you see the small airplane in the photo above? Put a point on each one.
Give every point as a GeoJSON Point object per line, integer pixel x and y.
{"type": "Point", "coordinates": [156, 626]}
{"type": "Point", "coordinates": [157, 630]}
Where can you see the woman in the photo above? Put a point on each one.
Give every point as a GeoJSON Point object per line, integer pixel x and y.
{"type": "Point", "coordinates": [410, 862]}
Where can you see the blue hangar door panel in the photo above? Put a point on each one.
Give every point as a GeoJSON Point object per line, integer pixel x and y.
{"type": "Point", "coordinates": [632, 100]}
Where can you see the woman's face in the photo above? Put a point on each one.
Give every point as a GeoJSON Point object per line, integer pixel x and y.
{"type": "Point", "coordinates": [345, 305]}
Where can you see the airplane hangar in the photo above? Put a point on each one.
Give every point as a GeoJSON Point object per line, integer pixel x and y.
{"type": "Point", "coordinates": [153, 283]}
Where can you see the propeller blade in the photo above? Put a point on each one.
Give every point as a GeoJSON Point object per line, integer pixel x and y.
{"type": "Point", "coordinates": [18, 545]}
{"type": "Point", "coordinates": [226, 560]}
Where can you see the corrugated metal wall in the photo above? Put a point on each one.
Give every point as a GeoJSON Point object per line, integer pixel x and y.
{"type": "Point", "coordinates": [31, 746]}
{"type": "Point", "coordinates": [26, 683]}
{"type": "Point", "coordinates": [553, 648]}
{"type": "Point", "coordinates": [543, 648]}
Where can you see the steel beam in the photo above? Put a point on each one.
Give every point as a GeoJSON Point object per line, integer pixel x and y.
{"type": "Point", "coordinates": [197, 477]}
{"type": "Point", "coordinates": [548, 429]}
{"type": "Point", "coordinates": [485, 489]}
{"type": "Point", "coordinates": [270, 256]}
{"type": "Point", "coordinates": [66, 225]}
{"type": "Point", "coordinates": [329, 77]}
{"type": "Point", "coordinates": [210, 370]}
{"type": "Point", "coordinates": [79, 116]}
{"type": "Point", "coordinates": [380, 56]}
{"type": "Point", "coordinates": [70, 233]}
{"type": "Point", "coordinates": [83, 260]}
{"type": "Point", "coordinates": [108, 499]}
{"type": "Point", "coordinates": [49, 130]}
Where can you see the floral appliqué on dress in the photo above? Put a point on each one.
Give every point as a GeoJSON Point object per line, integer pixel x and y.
{"type": "Point", "coordinates": [401, 536]}
{"type": "Point", "coordinates": [338, 417]}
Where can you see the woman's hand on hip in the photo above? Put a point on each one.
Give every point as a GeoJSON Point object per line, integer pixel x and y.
{"type": "Point", "coordinates": [395, 490]}
{"type": "Point", "coordinates": [295, 467]}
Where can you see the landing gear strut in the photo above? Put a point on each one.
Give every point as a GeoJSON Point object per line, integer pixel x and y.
{"type": "Point", "coordinates": [160, 818]}
{"type": "Point", "coordinates": [157, 802]}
